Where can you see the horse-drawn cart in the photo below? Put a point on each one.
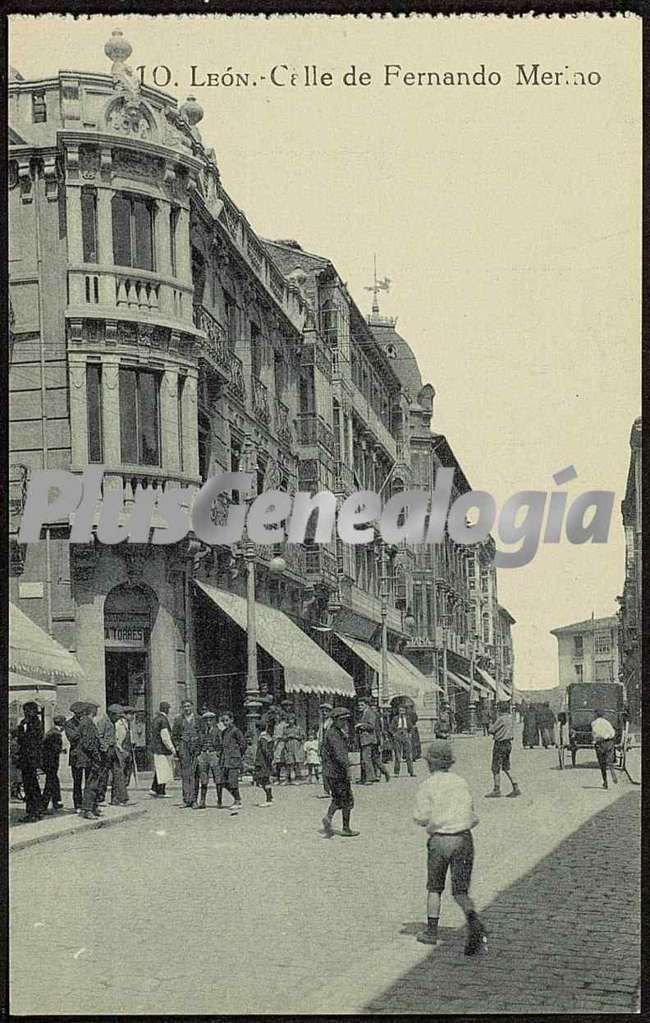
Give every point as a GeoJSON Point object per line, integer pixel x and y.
{"type": "Point", "coordinates": [574, 721]}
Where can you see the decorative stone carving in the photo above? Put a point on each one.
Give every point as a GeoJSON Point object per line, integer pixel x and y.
{"type": "Point", "coordinates": [134, 561]}
{"type": "Point", "coordinates": [72, 157]}
{"type": "Point", "coordinates": [77, 374]}
{"type": "Point", "coordinates": [145, 334]}
{"type": "Point", "coordinates": [75, 331]}
{"type": "Point", "coordinates": [127, 333]}
{"type": "Point", "coordinates": [177, 132]}
{"type": "Point", "coordinates": [135, 165]}
{"type": "Point", "coordinates": [70, 100]}
{"type": "Point", "coordinates": [25, 178]}
{"type": "Point", "coordinates": [127, 118]}
{"type": "Point", "coordinates": [110, 375]}
{"type": "Point", "coordinates": [110, 331]}
{"type": "Point", "coordinates": [219, 510]}
{"type": "Point", "coordinates": [88, 163]}
{"type": "Point", "coordinates": [12, 174]}
{"type": "Point", "coordinates": [52, 176]}
{"type": "Point", "coordinates": [272, 475]}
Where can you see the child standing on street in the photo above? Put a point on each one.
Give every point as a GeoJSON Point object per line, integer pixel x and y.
{"type": "Point", "coordinates": [312, 756]}
{"type": "Point", "coordinates": [502, 731]}
{"type": "Point", "coordinates": [444, 806]}
{"type": "Point", "coordinates": [264, 765]}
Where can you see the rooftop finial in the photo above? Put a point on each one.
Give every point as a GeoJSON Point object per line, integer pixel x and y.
{"type": "Point", "coordinates": [383, 285]}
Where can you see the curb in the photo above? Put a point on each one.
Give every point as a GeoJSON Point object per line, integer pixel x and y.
{"type": "Point", "coordinates": [73, 829]}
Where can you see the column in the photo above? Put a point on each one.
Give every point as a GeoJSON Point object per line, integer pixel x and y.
{"type": "Point", "coordinates": [75, 243]}
{"type": "Point", "coordinates": [183, 257]}
{"type": "Point", "coordinates": [105, 245]}
{"type": "Point", "coordinates": [78, 411]}
{"type": "Point", "coordinates": [163, 262]}
{"type": "Point", "coordinates": [169, 420]}
{"type": "Point", "coordinates": [111, 412]}
{"type": "Point", "coordinates": [190, 427]}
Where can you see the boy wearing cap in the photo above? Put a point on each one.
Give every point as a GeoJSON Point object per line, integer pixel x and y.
{"type": "Point", "coordinates": [72, 734]}
{"type": "Point", "coordinates": [52, 749]}
{"type": "Point", "coordinates": [502, 731]}
{"type": "Point", "coordinates": [209, 758]}
{"type": "Point", "coordinates": [336, 763]}
{"type": "Point", "coordinates": [444, 806]}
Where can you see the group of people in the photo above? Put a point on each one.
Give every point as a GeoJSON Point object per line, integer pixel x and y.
{"type": "Point", "coordinates": [539, 725]}
{"type": "Point", "coordinates": [98, 751]}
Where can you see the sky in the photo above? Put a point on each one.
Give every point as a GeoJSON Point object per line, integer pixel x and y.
{"type": "Point", "coordinates": [506, 217]}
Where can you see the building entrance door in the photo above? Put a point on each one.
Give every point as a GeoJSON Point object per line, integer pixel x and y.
{"type": "Point", "coordinates": [126, 684]}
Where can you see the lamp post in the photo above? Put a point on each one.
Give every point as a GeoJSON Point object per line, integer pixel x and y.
{"type": "Point", "coordinates": [383, 579]}
{"type": "Point", "coordinates": [444, 621]}
{"type": "Point", "coordinates": [252, 702]}
{"type": "Point", "coordinates": [472, 689]}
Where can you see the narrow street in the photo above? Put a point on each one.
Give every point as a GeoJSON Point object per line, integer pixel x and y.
{"type": "Point", "coordinates": [204, 912]}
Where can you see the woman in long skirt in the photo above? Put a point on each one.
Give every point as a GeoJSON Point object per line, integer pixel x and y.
{"type": "Point", "coordinates": [293, 755]}
{"type": "Point", "coordinates": [279, 746]}
{"type": "Point", "coordinates": [530, 736]}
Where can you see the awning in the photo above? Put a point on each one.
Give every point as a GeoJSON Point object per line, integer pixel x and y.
{"type": "Point", "coordinates": [425, 682]}
{"type": "Point", "coordinates": [23, 688]}
{"type": "Point", "coordinates": [488, 679]}
{"type": "Point", "coordinates": [35, 654]}
{"type": "Point", "coordinates": [460, 682]}
{"type": "Point", "coordinates": [307, 668]}
{"type": "Point", "coordinates": [400, 681]}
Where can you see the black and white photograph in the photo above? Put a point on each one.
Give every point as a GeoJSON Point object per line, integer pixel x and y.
{"type": "Point", "coordinates": [324, 505]}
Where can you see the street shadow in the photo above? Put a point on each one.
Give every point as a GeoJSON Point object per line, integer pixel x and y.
{"type": "Point", "coordinates": [542, 926]}
{"type": "Point", "coordinates": [17, 812]}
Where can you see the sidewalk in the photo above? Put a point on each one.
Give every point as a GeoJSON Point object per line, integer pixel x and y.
{"type": "Point", "coordinates": [67, 822]}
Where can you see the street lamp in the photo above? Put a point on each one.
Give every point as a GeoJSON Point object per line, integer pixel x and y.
{"type": "Point", "coordinates": [385, 687]}
{"type": "Point", "coordinates": [472, 689]}
{"type": "Point", "coordinates": [444, 621]}
{"type": "Point", "coordinates": [252, 703]}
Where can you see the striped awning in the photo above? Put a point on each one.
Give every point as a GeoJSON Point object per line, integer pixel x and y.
{"type": "Point", "coordinates": [307, 668]}
{"type": "Point", "coordinates": [400, 681]}
{"type": "Point", "coordinates": [35, 654]}
{"type": "Point", "coordinates": [23, 688]}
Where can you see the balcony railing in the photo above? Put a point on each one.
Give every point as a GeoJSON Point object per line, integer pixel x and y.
{"type": "Point", "coordinates": [319, 561]}
{"type": "Point", "coordinates": [261, 406]}
{"type": "Point", "coordinates": [95, 290]}
{"type": "Point", "coordinates": [313, 430]}
{"type": "Point", "coordinates": [214, 346]}
{"type": "Point", "coordinates": [283, 427]}
{"type": "Point", "coordinates": [343, 478]}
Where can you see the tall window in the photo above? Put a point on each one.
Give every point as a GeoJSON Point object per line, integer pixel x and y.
{"type": "Point", "coordinates": [601, 643]}
{"type": "Point", "coordinates": [89, 224]}
{"type": "Point", "coordinates": [39, 109]}
{"type": "Point", "coordinates": [179, 409]}
{"type": "Point", "coordinates": [235, 462]}
{"type": "Point", "coordinates": [133, 232]}
{"type": "Point", "coordinates": [231, 319]}
{"type": "Point", "coordinates": [578, 671]}
{"type": "Point", "coordinates": [330, 323]}
{"type": "Point", "coordinates": [307, 395]}
{"type": "Point", "coordinates": [94, 410]}
{"type": "Point", "coordinates": [577, 646]}
{"type": "Point", "coordinates": [140, 416]}
{"type": "Point", "coordinates": [256, 350]}
{"type": "Point", "coordinates": [173, 223]}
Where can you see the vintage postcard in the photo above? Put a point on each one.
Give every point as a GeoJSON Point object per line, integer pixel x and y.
{"type": "Point", "coordinates": [325, 500]}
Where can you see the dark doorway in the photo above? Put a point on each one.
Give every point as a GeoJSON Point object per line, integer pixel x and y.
{"type": "Point", "coordinates": [126, 684]}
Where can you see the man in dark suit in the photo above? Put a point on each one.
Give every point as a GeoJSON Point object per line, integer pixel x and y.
{"type": "Point", "coordinates": [185, 738]}
{"type": "Point", "coordinates": [29, 735]}
{"type": "Point", "coordinates": [401, 726]}
{"type": "Point", "coordinates": [91, 759]}
{"type": "Point", "coordinates": [369, 738]}
{"type": "Point", "coordinates": [72, 734]}
{"type": "Point", "coordinates": [233, 744]}
{"type": "Point", "coordinates": [52, 748]}
{"type": "Point", "coordinates": [336, 762]}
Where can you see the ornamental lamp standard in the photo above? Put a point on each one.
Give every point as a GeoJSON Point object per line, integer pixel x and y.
{"type": "Point", "coordinates": [444, 622]}
{"type": "Point", "coordinates": [472, 689]}
{"type": "Point", "coordinates": [277, 565]}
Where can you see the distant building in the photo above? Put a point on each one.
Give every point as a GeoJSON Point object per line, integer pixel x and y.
{"type": "Point", "coordinates": [588, 651]}
{"type": "Point", "coordinates": [629, 615]}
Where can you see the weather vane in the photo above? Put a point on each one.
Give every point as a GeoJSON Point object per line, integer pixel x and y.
{"type": "Point", "coordinates": [383, 285]}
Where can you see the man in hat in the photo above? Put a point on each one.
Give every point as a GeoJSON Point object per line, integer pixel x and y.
{"type": "Point", "coordinates": [52, 748]}
{"type": "Point", "coordinates": [401, 727]}
{"type": "Point", "coordinates": [126, 744]}
{"type": "Point", "coordinates": [91, 760]}
{"type": "Point", "coordinates": [233, 744]}
{"type": "Point", "coordinates": [162, 748]}
{"type": "Point", "coordinates": [72, 734]}
{"type": "Point", "coordinates": [325, 722]}
{"type": "Point", "coordinates": [369, 728]}
{"type": "Point", "coordinates": [444, 806]}
{"type": "Point", "coordinates": [209, 757]}
{"type": "Point", "coordinates": [185, 738]}
{"type": "Point", "coordinates": [336, 762]}
{"type": "Point", "coordinates": [112, 764]}
{"type": "Point", "coordinates": [29, 736]}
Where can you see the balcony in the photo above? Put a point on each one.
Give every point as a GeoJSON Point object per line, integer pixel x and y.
{"type": "Point", "coordinates": [283, 427]}
{"type": "Point", "coordinates": [313, 430]}
{"type": "Point", "coordinates": [237, 382]}
{"type": "Point", "coordinates": [111, 292]}
{"type": "Point", "coordinates": [367, 604]}
{"type": "Point", "coordinates": [320, 562]}
{"type": "Point", "coordinates": [213, 344]}
{"type": "Point", "coordinates": [371, 420]}
{"type": "Point", "coordinates": [260, 398]}
{"type": "Point", "coordinates": [343, 478]}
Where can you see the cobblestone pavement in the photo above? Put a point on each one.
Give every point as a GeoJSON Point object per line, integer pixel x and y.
{"type": "Point", "coordinates": [202, 912]}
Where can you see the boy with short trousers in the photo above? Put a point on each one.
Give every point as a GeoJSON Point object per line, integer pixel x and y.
{"type": "Point", "coordinates": [444, 806]}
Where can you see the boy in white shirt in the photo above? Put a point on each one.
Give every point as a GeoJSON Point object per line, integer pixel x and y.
{"type": "Point", "coordinates": [444, 806]}
{"type": "Point", "coordinates": [603, 735]}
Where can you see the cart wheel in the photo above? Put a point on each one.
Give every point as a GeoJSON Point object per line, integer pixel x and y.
{"type": "Point", "coordinates": [574, 753]}
{"type": "Point", "coordinates": [560, 757]}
